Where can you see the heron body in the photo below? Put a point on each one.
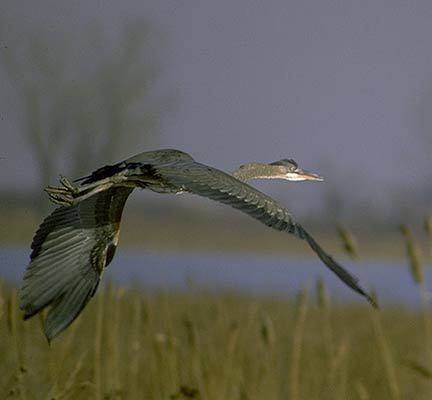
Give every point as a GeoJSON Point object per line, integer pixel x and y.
{"type": "Point", "coordinates": [75, 244]}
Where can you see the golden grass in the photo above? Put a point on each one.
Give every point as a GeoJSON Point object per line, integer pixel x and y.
{"type": "Point", "coordinates": [129, 344]}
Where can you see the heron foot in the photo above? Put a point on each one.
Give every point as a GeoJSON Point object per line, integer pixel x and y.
{"type": "Point", "coordinates": [63, 195]}
{"type": "Point", "coordinates": [68, 194]}
{"type": "Point", "coordinates": [60, 196]}
{"type": "Point", "coordinates": [67, 184]}
{"type": "Point", "coordinates": [61, 199]}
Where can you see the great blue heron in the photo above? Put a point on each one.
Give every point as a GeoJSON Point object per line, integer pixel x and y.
{"type": "Point", "coordinates": [74, 244]}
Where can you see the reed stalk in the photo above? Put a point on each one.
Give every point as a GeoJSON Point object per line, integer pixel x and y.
{"type": "Point", "coordinates": [349, 242]}
{"type": "Point", "coordinates": [113, 339]}
{"type": "Point", "coordinates": [56, 367]}
{"type": "Point", "coordinates": [297, 342]}
{"type": "Point", "coordinates": [97, 357]}
{"type": "Point", "coordinates": [136, 345]}
{"type": "Point", "coordinates": [339, 371]}
{"type": "Point", "coordinates": [13, 329]}
{"type": "Point", "coordinates": [71, 384]}
{"type": "Point", "coordinates": [230, 357]}
{"type": "Point", "coordinates": [267, 331]}
{"type": "Point", "coordinates": [413, 254]}
{"type": "Point", "coordinates": [2, 302]}
{"type": "Point", "coordinates": [324, 305]}
{"type": "Point", "coordinates": [361, 391]}
{"type": "Point", "coordinates": [386, 356]}
{"type": "Point", "coordinates": [416, 269]}
{"type": "Point", "coordinates": [194, 351]}
{"type": "Point", "coordinates": [428, 230]}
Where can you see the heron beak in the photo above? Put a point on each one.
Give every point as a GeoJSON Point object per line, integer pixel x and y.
{"type": "Point", "coordinates": [309, 176]}
{"type": "Point", "coordinates": [302, 175]}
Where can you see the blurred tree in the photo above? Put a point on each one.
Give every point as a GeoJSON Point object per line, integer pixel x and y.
{"type": "Point", "coordinates": [84, 100]}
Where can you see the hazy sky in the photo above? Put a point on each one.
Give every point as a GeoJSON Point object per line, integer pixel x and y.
{"type": "Point", "coordinates": [341, 86]}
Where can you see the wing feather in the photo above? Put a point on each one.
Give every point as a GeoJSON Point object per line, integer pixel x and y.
{"type": "Point", "coordinates": [69, 253]}
{"type": "Point", "coordinates": [209, 182]}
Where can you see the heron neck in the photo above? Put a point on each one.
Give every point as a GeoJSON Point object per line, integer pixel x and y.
{"type": "Point", "coordinates": [253, 171]}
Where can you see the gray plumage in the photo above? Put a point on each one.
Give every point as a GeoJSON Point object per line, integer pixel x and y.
{"type": "Point", "coordinates": [70, 251]}
{"type": "Point", "coordinates": [77, 241]}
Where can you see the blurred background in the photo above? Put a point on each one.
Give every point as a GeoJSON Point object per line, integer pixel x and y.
{"type": "Point", "coordinates": [344, 88]}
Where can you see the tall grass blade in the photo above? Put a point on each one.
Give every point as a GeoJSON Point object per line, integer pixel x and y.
{"type": "Point", "coordinates": [361, 391]}
{"type": "Point", "coordinates": [297, 342]}
{"type": "Point", "coordinates": [349, 242]}
{"type": "Point", "coordinates": [387, 357]}
{"type": "Point", "coordinates": [419, 368]}
{"type": "Point", "coordinates": [97, 357]}
{"type": "Point", "coordinates": [413, 254]}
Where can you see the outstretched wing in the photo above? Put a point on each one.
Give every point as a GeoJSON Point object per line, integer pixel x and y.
{"type": "Point", "coordinates": [209, 182]}
{"type": "Point", "coordinates": [71, 248]}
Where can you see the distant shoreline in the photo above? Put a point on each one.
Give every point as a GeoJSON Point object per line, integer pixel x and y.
{"type": "Point", "coordinates": [178, 231]}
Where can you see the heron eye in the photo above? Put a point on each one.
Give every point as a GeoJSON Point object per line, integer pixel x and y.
{"type": "Point", "coordinates": [291, 164]}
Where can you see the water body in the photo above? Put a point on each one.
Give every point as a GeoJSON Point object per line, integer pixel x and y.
{"type": "Point", "coordinates": [244, 272]}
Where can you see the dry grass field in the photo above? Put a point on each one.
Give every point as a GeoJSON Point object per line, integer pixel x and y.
{"type": "Point", "coordinates": [129, 344]}
{"type": "Point", "coordinates": [199, 344]}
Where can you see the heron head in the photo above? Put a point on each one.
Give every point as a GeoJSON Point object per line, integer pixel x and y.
{"type": "Point", "coordinates": [291, 172]}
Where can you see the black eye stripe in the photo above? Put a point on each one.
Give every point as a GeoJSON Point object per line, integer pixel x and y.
{"type": "Point", "coordinates": [291, 161]}
{"type": "Point", "coordinates": [286, 162]}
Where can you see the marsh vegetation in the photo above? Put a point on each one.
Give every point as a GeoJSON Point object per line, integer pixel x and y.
{"type": "Point", "coordinates": [130, 344]}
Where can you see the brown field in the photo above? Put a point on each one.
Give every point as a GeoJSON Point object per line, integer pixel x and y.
{"type": "Point", "coordinates": [129, 344]}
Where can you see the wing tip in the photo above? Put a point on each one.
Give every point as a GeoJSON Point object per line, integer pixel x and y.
{"type": "Point", "coordinates": [343, 274]}
{"type": "Point", "coordinates": [372, 299]}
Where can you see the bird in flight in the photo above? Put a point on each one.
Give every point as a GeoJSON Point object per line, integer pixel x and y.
{"type": "Point", "coordinates": [77, 241]}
